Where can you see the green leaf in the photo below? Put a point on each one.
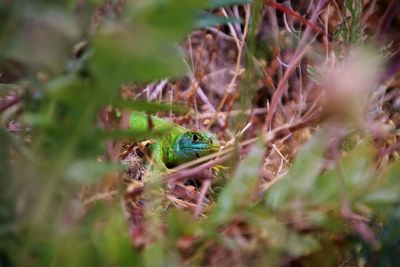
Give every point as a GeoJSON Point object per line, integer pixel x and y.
{"type": "Point", "coordinates": [89, 171]}
{"type": "Point", "coordinates": [180, 223]}
{"type": "Point", "coordinates": [112, 240]}
{"type": "Point", "coordinates": [70, 90]}
{"type": "Point", "coordinates": [172, 19]}
{"type": "Point", "coordinates": [37, 119]}
{"type": "Point", "coordinates": [206, 19]}
{"type": "Point", "coordinates": [326, 189]}
{"type": "Point", "coordinates": [154, 255]}
{"type": "Point", "coordinates": [301, 245]}
{"type": "Point", "coordinates": [301, 177]}
{"type": "Point", "coordinates": [387, 191]}
{"type": "Point", "coordinates": [123, 54]}
{"type": "Point", "coordinates": [240, 190]}
{"type": "Point", "coordinates": [358, 170]}
{"type": "Point", "coordinates": [44, 36]}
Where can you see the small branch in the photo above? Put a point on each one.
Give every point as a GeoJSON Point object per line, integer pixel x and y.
{"type": "Point", "coordinates": [231, 29]}
{"type": "Point", "coordinates": [297, 56]}
{"type": "Point", "coordinates": [100, 196]}
{"type": "Point", "coordinates": [294, 14]}
{"type": "Point", "coordinates": [230, 86]}
{"type": "Point", "coordinates": [256, 111]}
{"type": "Point", "coordinates": [360, 225]}
{"type": "Point", "coordinates": [175, 177]}
{"type": "Point", "coordinates": [158, 89]}
{"type": "Point", "coordinates": [389, 150]}
{"type": "Point", "coordinates": [206, 101]}
{"type": "Point", "coordinates": [199, 204]}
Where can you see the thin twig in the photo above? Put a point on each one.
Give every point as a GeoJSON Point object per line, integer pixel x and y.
{"type": "Point", "coordinates": [99, 196]}
{"type": "Point", "coordinates": [296, 15]}
{"type": "Point", "coordinates": [221, 34]}
{"type": "Point", "coordinates": [389, 150]}
{"type": "Point", "coordinates": [297, 56]}
{"type": "Point", "coordinates": [206, 184]}
{"type": "Point", "coordinates": [229, 88]}
{"type": "Point", "coordinates": [158, 89]}
{"type": "Point", "coordinates": [205, 100]}
{"type": "Point", "coordinates": [231, 29]}
{"type": "Point", "coordinates": [256, 111]}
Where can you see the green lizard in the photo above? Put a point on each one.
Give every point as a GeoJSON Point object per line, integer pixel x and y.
{"type": "Point", "coordinates": [176, 144]}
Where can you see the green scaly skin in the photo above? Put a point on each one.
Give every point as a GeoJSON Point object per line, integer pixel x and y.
{"type": "Point", "coordinates": [176, 144]}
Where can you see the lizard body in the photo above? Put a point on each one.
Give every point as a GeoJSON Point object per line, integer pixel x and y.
{"type": "Point", "coordinates": [175, 144]}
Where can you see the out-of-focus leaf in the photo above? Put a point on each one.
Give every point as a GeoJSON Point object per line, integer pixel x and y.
{"type": "Point", "coordinates": [281, 237]}
{"type": "Point", "coordinates": [180, 223]}
{"type": "Point", "coordinates": [144, 48]}
{"type": "Point", "coordinates": [133, 134]}
{"type": "Point", "coordinates": [130, 54]}
{"type": "Point", "coordinates": [222, 3]}
{"type": "Point", "coordinates": [72, 91]}
{"type": "Point", "coordinates": [37, 119]}
{"type": "Point", "coordinates": [89, 171]}
{"type": "Point", "coordinates": [326, 188]}
{"type": "Point", "coordinates": [386, 195]}
{"type": "Point", "coordinates": [301, 177]}
{"type": "Point", "coordinates": [172, 19]}
{"type": "Point", "coordinates": [44, 37]}
{"type": "Point", "coordinates": [154, 255]}
{"type": "Point", "coordinates": [307, 165]}
{"type": "Point", "coordinates": [329, 219]}
{"type": "Point", "coordinates": [182, 226]}
{"type": "Point", "coordinates": [72, 244]}
{"type": "Point", "coordinates": [206, 19]}
{"type": "Point", "coordinates": [150, 107]}
{"type": "Point", "coordinates": [326, 256]}
{"type": "Point", "coordinates": [301, 245]}
{"type": "Point", "coordinates": [387, 190]}
{"type": "Point", "coordinates": [240, 190]}
{"type": "Point", "coordinates": [358, 170]}
{"type": "Point", "coordinates": [113, 242]}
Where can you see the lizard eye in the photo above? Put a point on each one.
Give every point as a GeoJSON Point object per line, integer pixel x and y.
{"type": "Point", "coordinates": [195, 138]}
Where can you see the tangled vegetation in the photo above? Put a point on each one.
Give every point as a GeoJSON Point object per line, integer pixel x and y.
{"type": "Point", "coordinates": [303, 95]}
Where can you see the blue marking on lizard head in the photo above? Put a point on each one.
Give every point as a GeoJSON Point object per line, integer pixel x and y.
{"type": "Point", "coordinates": [195, 144]}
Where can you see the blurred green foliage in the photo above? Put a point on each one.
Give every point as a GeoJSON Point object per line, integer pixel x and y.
{"type": "Point", "coordinates": [43, 168]}
{"type": "Point", "coordinates": [60, 106]}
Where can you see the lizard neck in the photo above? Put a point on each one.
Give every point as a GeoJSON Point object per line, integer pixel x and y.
{"type": "Point", "coordinates": [170, 154]}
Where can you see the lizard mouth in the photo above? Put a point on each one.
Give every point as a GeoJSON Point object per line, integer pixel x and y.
{"type": "Point", "coordinates": [214, 148]}
{"type": "Point", "coordinates": [204, 147]}
{"type": "Point", "coordinates": [210, 148]}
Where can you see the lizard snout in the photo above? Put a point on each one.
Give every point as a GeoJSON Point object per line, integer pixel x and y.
{"type": "Point", "coordinates": [214, 144]}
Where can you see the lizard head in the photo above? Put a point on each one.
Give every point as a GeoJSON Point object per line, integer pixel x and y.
{"type": "Point", "coordinates": [195, 144]}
